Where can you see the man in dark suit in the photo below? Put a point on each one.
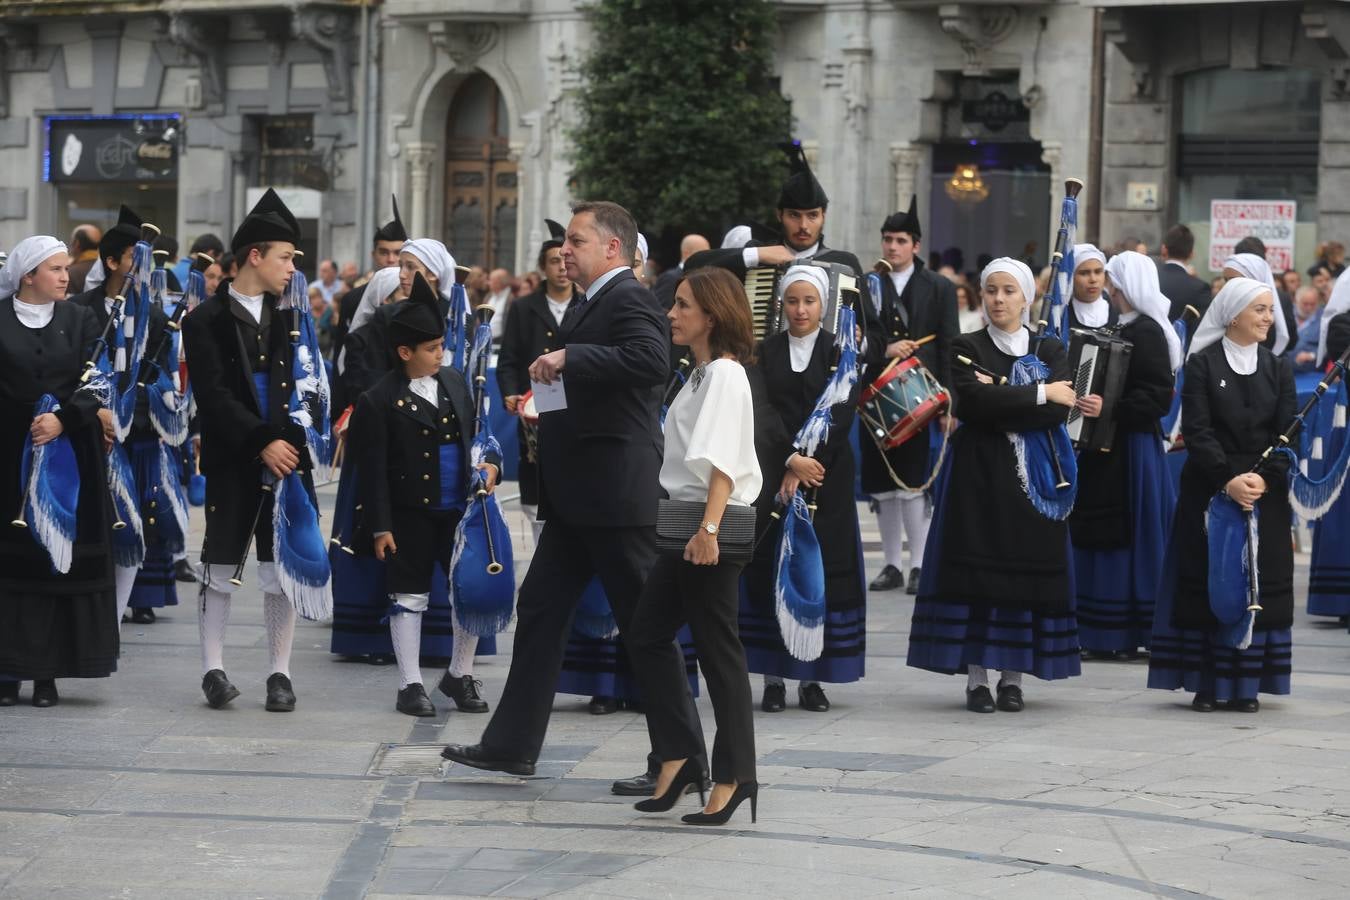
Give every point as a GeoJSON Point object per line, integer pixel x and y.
{"type": "Point", "coordinates": [242, 362]}
{"type": "Point", "coordinates": [600, 459]}
{"type": "Point", "coordinates": [801, 214]}
{"type": "Point", "coordinates": [669, 279]}
{"type": "Point", "coordinates": [1176, 281]}
{"type": "Point", "coordinates": [913, 304]}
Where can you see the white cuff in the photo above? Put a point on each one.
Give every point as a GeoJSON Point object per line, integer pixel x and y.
{"type": "Point", "coordinates": [1040, 395]}
{"type": "Point", "coordinates": [750, 255]}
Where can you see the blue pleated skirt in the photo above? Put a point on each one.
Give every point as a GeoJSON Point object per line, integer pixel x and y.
{"type": "Point", "coordinates": [947, 637]}
{"type": "Point", "coordinates": [155, 587]}
{"type": "Point", "coordinates": [1329, 578]}
{"type": "Point", "coordinates": [599, 667]}
{"type": "Point", "coordinates": [360, 601]}
{"type": "Point", "coordinates": [1117, 588]}
{"type": "Point", "coordinates": [1193, 660]}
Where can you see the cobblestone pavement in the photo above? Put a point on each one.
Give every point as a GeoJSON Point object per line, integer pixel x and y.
{"type": "Point", "coordinates": [132, 787]}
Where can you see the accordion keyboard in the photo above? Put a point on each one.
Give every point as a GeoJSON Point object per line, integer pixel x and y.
{"type": "Point", "coordinates": [761, 285]}
{"type": "Point", "coordinates": [1082, 386]}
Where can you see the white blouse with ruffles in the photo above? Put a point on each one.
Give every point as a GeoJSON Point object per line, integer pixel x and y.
{"type": "Point", "coordinates": [711, 425]}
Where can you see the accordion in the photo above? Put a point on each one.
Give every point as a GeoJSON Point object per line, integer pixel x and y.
{"type": "Point", "coordinates": [763, 288]}
{"type": "Point", "coordinates": [1100, 360]}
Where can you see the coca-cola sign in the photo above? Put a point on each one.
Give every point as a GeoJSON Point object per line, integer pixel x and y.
{"type": "Point", "coordinates": [111, 148]}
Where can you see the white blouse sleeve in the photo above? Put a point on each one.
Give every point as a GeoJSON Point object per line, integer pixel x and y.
{"type": "Point", "coordinates": [723, 436]}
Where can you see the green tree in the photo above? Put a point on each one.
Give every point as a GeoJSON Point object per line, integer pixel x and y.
{"type": "Point", "coordinates": [680, 116]}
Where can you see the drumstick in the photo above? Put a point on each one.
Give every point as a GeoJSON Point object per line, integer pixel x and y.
{"type": "Point", "coordinates": [967, 361]}
{"type": "Point", "coordinates": [923, 340]}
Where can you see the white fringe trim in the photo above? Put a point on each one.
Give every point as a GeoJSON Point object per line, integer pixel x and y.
{"type": "Point", "coordinates": [311, 601]}
{"type": "Point", "coordinates": [59, 546]}
{"type": "Point", "coordinates": [804, 642]}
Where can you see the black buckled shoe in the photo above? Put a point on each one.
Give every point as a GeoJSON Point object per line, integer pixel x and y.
{"type": "Point", "coordinates": [218, 689]}
{"type": "Point", "coordinates": [413, 701]}
{"type": "Point", "coordinates": [811, 697]}
{"type": "Point", "coordinates": [912, 587]}
{"type": "Point", "coordinates": [182, 571]}
{"type": "Point", "coordinates": [1010, 698]}
{"type": "Point", "coordinates": [1249, 705]}
{"type": "Point", "coordinates": [476, 756]}
{"type": "Point", "coordinates": [280, 696]}
{"type": "Point", "coordinates": [980, 700]}
{"type": "Point", "coordinates": [464, 691]}
{"type": "Point", "coordinates": [774, 699]}
{"type": "Point", "coordinates": [889, 579]}
{"type": "Point", "coordinates": [1203, 703]}
{"type": "Point", "coordinates": [9, 693]}
{"type": "Point", "coordinates": [603, 706]}
{"type": "Point", "coordinates": [44, 693]}
{"type": "Point", "coordinates": [142, 615]}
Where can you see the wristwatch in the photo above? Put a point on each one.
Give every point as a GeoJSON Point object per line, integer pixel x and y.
{"type": "Point", "coordinates": [710, 527]}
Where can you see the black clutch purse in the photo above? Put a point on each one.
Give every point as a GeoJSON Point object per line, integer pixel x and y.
{"type": "Point", "coordinates": [677, 520]}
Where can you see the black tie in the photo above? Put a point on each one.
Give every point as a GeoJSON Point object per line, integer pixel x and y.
{"type": "Point", "coordinates": [573, 309]}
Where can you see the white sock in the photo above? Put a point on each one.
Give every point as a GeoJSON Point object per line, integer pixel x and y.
{"type": "Point", "coordinates": [406, 630]}
{"type": "Point", "coordinates": [461, 656]}
{"type": "Point", "coordinates": [889, 523]}
{"type": "Point", "coordinates": [773, 680]}
{"type": "Point", "coordinates": [976, 676]}
{"type": "Point", "coordinates": [279, 617]}
{"type": "Point", "coordinates": [124, 578]}
{"type": "Point", "coordinates": [213, 614]}
{"type": "Point", "coordinates": [916, 528]}
{"type": "Point", "coordinates": [1011, 679]}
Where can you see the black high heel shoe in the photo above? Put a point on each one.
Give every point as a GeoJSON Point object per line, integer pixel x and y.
{"type": "Point", "coordinates": [690, 773]}
{"type": "Point", "coordinates": [746, 789]}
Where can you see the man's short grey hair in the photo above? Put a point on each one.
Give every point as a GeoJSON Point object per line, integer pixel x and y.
{"type": "Point", "coordinates": [612, 221]}
{"type": "Point", "coordinates": [1305, 289]}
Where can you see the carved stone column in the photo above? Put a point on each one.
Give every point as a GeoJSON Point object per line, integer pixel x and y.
{"type": "Point", "coordinates": [516, 153]}
{"type": "Point", "coordinates": [905, 159]}
{"type": "Point", "coordinates": [1052, 154]}
{"type": "Point", "coordinates": [420, 155]}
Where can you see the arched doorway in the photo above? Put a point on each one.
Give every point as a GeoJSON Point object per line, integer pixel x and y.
{"type": "Point", "coordinates": [480, 178]}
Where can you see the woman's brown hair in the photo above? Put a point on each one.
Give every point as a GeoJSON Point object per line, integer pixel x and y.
{"type": "Point", "coordinates": [721, 296]}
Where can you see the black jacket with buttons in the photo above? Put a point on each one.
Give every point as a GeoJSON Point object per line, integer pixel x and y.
{"type": "Point", "coordinates": [399, 435]}
{"type": "Point", "coordinates": [530, 332]}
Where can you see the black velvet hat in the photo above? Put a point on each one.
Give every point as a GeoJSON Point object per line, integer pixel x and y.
{"type": "Point", "coordinates": [801, 190]}
{"type": "Point", "coordinates": [417, 319]}
{"type": "Point", "coordinates": [269, 220]}
{"type": "Point", "coordinates": [124, 234]}
{"type": "Point", "coordinates": [907, 222]}
{"type": "Point", "coordinates": [392, 230]}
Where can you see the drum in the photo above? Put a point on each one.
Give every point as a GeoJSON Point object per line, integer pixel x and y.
{"type": "Point", "coordinates": [901, 402]}
{"type": "Point", "coordinates": [529, 421]}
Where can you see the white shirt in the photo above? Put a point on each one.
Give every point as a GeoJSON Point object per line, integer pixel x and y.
{"type": "Point", "coordinates": [1242, 359]}
{"type": "Point", "coordinates": [605, 279]}
{"type": "Point", "coordinates": [1127, 318]}
{"type": "Point", "coordinates": [34, 315]}
{"type": "Point", "coordinates": [711, 425]}
{"type": "Point", "coordinates": [425, 387]}
{"type": "Point", "coordinates": [900, 279]}
{"type": "Point", "coordinates": [750, 255]}
{"type": "Point", "coordinates": [1015, 344]}
{"type": "Point", "coordinates": [1094, 314]}
{"type": "Point", "coordinates": [252, 304]}
{"type": "Point", "coordinates": [800, 350]}
{"type": "Point", "coordinates": [558, 308]}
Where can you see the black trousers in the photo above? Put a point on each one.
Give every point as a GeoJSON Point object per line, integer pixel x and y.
{"type": "Point", "coordinates": [707, 598]}
{"type": "Point", "coordinates": [565, 560]}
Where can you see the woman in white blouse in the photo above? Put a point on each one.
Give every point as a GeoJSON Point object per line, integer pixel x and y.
{"type": "Point", "coordinates": [710, 459]}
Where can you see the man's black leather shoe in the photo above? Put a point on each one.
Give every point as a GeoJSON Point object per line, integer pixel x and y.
{"type": "Point", "coordinates": [464, 691]}
{"type": "Point", "coordinates": [476, 756]}
{"type": "Point", "coordinates": [912, 587]}
{"type": "Point", "coordinates": [603, 706]}
{"type": "Point", "coordinates": [413, 701]}
{"type": "Point", "coordinates": [280, 697]}
{"type": "Point", "coordinates": [218, 689]}
{"type": "Point", "coordinates": [889, 579]}
{"type": "Point", "coordinates": [644, 785]}
{"type": "Point", "coordinates": [774, 699]}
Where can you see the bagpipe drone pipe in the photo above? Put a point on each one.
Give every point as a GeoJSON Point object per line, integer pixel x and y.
{"type": "Point", "coordinates": [1314, 485]}
{"type": "Point", "coordinates": [799, 570]}
{"type": "Point", "coordinates": [482, 571]}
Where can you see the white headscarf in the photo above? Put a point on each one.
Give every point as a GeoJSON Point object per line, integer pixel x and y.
{"type": "Point", "coordinates": [432, 254]}
{"type": "Point", "coordinates": [383, 283]}
{"type": "Point", "coordinates": [736, 238]}
{"type": "Point", "coordinates": [1257, 269]}
{"type": "Point", "coordinates": [813, 274]}
{"type": "Point", "coordinates": [1337, 304]}
{"type": "Point", "coordinates": [1137, 277]}
{"type": "Point", "coordinates": [26, 256]}
{"type": "Point", "coordinates": [642, 248]}
{"type": "Point", "coordinates": [1019, 271]}
{"type": "Point", "coordinates": [96, 275]}
{"type": "Point", "coordinates": [1083, 252]}
{"type": "Point", "coordinates": [1227, 305]}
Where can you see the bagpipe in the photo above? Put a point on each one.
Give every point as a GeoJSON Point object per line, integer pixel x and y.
{"type": "Point", "coordinates": [1171, 423]}
{"type": "Point", "coordinates": [49, 482]}
{"type": "Point", "coordinates": [482, 572]}
{"type": "Point", "coordinates": [799, 572]}
{"type": "Point", "coordinates": [169, 398]}
{"type": "Point", "coordinates": [1234, 532]}
{"type": "Point", "coordinates": [1045, 459]}
{"type": "Point", "coordinates": [298, 546]}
